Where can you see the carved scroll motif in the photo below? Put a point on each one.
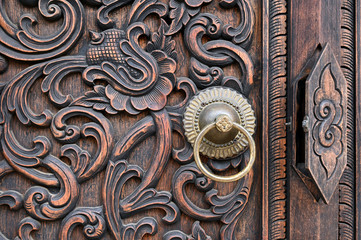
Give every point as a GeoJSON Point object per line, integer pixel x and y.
{"type": "Point", "coordinates": [125, 76]}
{"type": "Point", "coordinates": [327, 132]}
{"type": "Point", "coordinates": [325, 128]}
{"type": "Point", "coordinates": [19, 41]}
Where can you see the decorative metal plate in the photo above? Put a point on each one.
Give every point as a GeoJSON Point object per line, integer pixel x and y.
{"type": "Point", "coordinates": [228, 98]}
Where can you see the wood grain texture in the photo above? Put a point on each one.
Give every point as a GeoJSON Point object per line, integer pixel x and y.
{"type": "Point", "coordinates": [310, 215]}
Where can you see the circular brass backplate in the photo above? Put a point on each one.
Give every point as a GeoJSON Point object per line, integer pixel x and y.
{"type": "Point", "coordinates": [205, 108]}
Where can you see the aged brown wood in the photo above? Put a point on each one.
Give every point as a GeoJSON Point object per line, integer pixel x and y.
{"type": "Point", "coordinates": [96, 136]}
{"type": "Point", "coordinates": [91, 110]}
{"type": "Point", "coordinates": [347, 201]}
{"type": "Point", "coordinates": [357, 205]}
{"type": "Point", "coordinates": [312, 218]}
{"type": "Point", "coordinates": [274, 219]}
{"type": "Point", "coordinates": [318, 126]}
{"type": "Point", "coordinates": [307, 216]}
{"type": "Point", "coordinates": [357, 172]}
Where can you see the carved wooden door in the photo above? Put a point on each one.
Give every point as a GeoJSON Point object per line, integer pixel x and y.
{"type": "Point", "coordinates": [94, 141]}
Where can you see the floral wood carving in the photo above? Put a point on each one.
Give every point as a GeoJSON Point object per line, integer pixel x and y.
{"type": "Point", "coordinates": [125, 77]}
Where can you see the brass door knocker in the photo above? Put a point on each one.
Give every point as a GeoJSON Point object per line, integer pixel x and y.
{"type": "Point", "coordinates": [219, 123]}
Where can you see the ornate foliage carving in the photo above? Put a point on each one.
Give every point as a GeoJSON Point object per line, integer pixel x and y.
{"type": "Point", "coordinates": [198, 233]}
{"type": "Point", "coordinates": [223, 208]}
{"type": "Point", "coordinates": [26, 226]}
{"type": "Point", "coordinates": [126, 76]}
{"type": "Point", "coordinates": [91, 218]}
{"type": "Point", "coordinates": [21, 42]}
{"type": "Point", "coordinates": [181, 13]}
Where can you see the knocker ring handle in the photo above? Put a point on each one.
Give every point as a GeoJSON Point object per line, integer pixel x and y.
{"type": "Point", "coordinates": [227, 126]}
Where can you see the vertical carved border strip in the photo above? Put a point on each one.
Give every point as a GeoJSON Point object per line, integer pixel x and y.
{"type": "Point", "coordinates": [265, 29]}
{"type": "Point", "coordinates": [347, 182]}
{"type": "Point", "coordinates": [274, 115]}
{"type": "Point", "coordinates": [358, 117]}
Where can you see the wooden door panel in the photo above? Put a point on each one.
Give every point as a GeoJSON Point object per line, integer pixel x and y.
{"type": "Point", "coordinates": [91, 115]}
{"type": "Point", "coordinates": [92, 136]}
{"type": "Point", "coordinates": [334, 25]}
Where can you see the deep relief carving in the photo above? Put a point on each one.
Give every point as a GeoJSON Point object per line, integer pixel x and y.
{"type": "Point", "coordinates": [23, 43]}
{"type": "Point", "coordinates": [198, 233]}
{"type": "Point", "coordinates": [92, 218]}
{"type": "Point", "coordinates": [138, 79]}
{"type": "Point", "coordinates": [223, 208]}
{"type": "Point", "coordinates": [126, 77]}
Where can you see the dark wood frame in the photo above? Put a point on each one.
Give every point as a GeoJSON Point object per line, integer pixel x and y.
{"type": "Point", "coordinates": [358, 122]}
{"type": "Point", "coordinates": [350, 183]}
{"type": "Point", "coordinates": [274, 217]}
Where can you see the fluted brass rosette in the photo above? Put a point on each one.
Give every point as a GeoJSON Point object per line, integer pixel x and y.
{"type": "Point", "coordinates": [204, 109]}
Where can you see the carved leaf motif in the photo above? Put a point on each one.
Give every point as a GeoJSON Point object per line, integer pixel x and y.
{"type": "Point", "coordinates": [11, 198]}
{"type": "Point", "coordinates": [227, 208]}
{"type": "Point", "coordinates": [40, 203]}
{"type": "Point", "coordinates": [243, 33]}
{"type": "Point", "coordinates": [14, 98]}
{"type": "Point", "coordinates": [26, 226]}
{"type": "Point", "coordinates": [97, 99]}
{"type": "Point", "coordinates": [327, 133]}
{"type": "Point", "coordinates": [55, 71]}
{"type": "Point", "coordinates": [100, 129]}
{"type": "Point", "coordinates": [203, 75]}
{"type": "Point", "coordinates": [198, 233]}
{"type": "Point", "coordinates": [90, 217]}
{"type": "Point", "coordinates": [182, 11]}
{"type": "Point", "coordinates": [117, 175]}
{"type": "Point", "coordinates": [29, 46]}
{"type": "Point", "coordinates": [107, 6]}
{"type": "Point", "coordinates": [160, 41]}
{"type": "Point", "coordinates": [144, 196]}
{"type": "Point", "coordinates": [143, 8]}
{"type": "Point", "coordinates": [216, 52]}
